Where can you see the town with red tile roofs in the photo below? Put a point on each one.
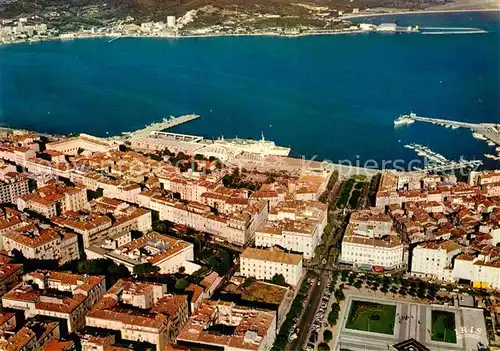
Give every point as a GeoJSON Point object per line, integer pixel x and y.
{"type": "Point", "coordinates": [164, 241]}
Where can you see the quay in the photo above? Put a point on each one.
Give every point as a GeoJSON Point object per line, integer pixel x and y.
{"type": "Point", "coordinates": [166, 123]}
{"type": "Point", "coordinates": [451, 30]}
{"type": "Point", "coordinates": [480, 31]}
{"type": "Point", "coordinates": [115, 38]}
{"type": "Point", "coordinates": [490, 131]}
{"type": "Point", "coordinates": [439, 163]}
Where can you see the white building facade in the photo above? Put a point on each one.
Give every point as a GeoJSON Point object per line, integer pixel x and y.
{"type": "Point", "coordinates": [265, 264]}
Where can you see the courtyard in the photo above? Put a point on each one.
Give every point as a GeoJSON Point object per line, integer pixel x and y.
{"type": "Point", "coordinates": [443, 326]}
{"type": "Point", "coordinates": [372, 317]}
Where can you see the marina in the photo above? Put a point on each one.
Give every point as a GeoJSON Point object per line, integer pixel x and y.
{"type": "Point", "coordinates": [435, 162]}
{"type": "Point", "coordinates": [166, 123]}
{"type": "Point", "coordinates": [493, 157]}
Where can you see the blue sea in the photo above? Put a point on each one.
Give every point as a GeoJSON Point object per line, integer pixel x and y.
{"type": "Point", "coordinates": [333, 97]}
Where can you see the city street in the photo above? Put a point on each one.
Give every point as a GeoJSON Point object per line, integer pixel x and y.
{"type": "Point", "coordinates": [320, 264]}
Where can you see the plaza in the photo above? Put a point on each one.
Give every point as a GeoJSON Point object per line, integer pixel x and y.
{"type": "Point", "coordinates": [437, 327]}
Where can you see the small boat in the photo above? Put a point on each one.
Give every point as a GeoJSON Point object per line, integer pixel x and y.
{"type": "Point", "coordinates": [493, 157]}
{"type": "Point", "coordinates": [479, 136]}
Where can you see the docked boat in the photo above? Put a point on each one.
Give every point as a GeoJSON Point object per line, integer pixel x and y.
{"type": "Point", "coordinates": [493, 157]}
{"type": "Point", "coordinates": [262, 146]}
{"type": "Point", "coordinates": [479, 136]}
{"type": "Point", "coordinates": [403, 119]}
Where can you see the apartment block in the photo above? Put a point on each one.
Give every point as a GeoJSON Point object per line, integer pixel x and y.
{"type": "Point", "coordinates": [42, 243]}
{"type": "Point", "coordinates": [56, 294]}
{"type": "Point", "coordinates": [141, 312]}
{"type": "Point", "coordinates": [265, 264]}
{"type": "Point", "coordinates": [434, 260]}
{"type": "Point", "coordinates": [54, 199]}
{"type": "Point", "coordinates": [167, 253]}
{"type": "Point", "coordinates": [247, 328]}
{"type": "Point", "coordinates": [12, 186]}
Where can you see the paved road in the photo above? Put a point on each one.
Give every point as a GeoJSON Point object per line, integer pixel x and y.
{"type": "Point", "coordinates": [308, 316]}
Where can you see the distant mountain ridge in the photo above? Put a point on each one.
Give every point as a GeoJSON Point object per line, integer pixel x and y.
{"type": "Point", "coordinates": [155, 9]}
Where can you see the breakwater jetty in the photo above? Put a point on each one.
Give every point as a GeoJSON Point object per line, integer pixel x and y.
{"type": "Point", "coordinates": [166, 123]}
{"type": "Point", "coordinates": [489, 132]}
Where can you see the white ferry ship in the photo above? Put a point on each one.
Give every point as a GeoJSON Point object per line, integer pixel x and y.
{"type": "Point", "coordinates": [404, 119]}
{"type": "Point", "coordinates": [262, 146]}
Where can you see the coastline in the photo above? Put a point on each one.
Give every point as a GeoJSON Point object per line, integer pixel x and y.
{"type": "Point", "coordinates": [112, 36]}
{"type": "Point", "coordinates": [192, 36]}
{"type": "Point", "coordinates": [418, 12]}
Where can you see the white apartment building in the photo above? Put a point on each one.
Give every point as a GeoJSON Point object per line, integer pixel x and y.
{"type": "Point", "coordinates": [483, 178]}
{"type": "Point", "coordinates": [296, 225]}
{"type": "Point", "coordinates": [238, 227]}
{"type": "Point", "coordinates": [434, 260]}
{"type": "Point", "coordinates": [369, 241]}
{"type": "Point", "coordinates": [296, 235]}
{"type": "Point", "coordinates": [13, 186]}
{"type": "Point", "coordinates": [17, 154]}
{"type": "Point", "coordinates": [112, 188]}
{"type": "Point", "coordinates": [299, 209]}
{"type": "Point", "coordinates": [167, 253]}
{"type": "Point", "coordinates": [107, 218]}
{"type": "Point", "coordinates": [189, 189]}
{"type": "Point", "coordinates": [253, 329]}
{"type": "Point", "coordinates": [482, 271]}
{"type": "Point", "coordinates": [54, 199]}
{"type": "Point", "coordinates": [372, 252]}
{"type": "Point", "coordinates": [170, 21]}
{"type": "Point", "coordinates": [265, 264]}
{"type": "Point", "coordinates": [371, 225]}
{"type": "Point", "coordinates": [48, 168]}
{"type": "Point", "coordinates": [86, 142]}
{"type": "Point", "coordinates": [31, 296]}
{"type": "Point", "coordinates": [91, 226]}
{"type": "Point", "coordinates": [163, 317]}
{"type": "Point", "coordinates": [42, 244]}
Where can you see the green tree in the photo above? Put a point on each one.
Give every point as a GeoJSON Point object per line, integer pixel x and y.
{"type": "Point", "coordinates": [181, 284]}
{"type": "Point", "coordinates": [323, 347]}
{"type": "Point", "coordinates": [221, 262]}
{"type": "Point", "coordinates": [106, 267]}
{"type": "Point", "coordinates": [145, 268]}
{"type": "Point", "coordinates": [161, 226]}
{"type": "Point", "coordinates": [249, 281]}
{"type": "Point", "coordinates": [279, 279]}
{"type": "Point", "coordinates": [339, 295]}
{"type": "Point", "coordinates": [327, 335]}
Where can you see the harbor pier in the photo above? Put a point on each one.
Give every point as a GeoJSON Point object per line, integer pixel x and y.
{"type": "Point", "coordinates": [484, 131]}
{"type": "Point", "coordinates": [166, 123]}
{"type": "Point", "coordinates": [439, 163]}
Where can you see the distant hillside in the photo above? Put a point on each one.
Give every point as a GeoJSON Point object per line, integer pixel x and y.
{"type": "Point", "coordinates": [160, 8]}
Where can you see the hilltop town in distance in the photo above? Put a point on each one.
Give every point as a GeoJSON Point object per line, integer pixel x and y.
{"type": "Point", "coordinates": [162, 241]}
{"type": "Point", "coordinates": [27, 20]}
